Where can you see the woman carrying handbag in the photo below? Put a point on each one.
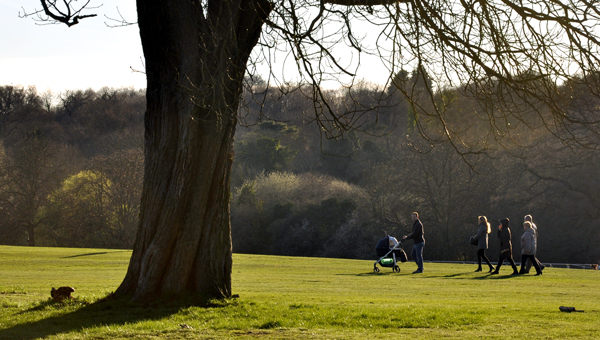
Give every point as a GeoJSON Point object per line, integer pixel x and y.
{"type": "Point", "coordinates": [482, 242]}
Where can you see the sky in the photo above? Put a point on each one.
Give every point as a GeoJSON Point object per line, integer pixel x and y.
{"type": "Point", "coordinates": [90, 54]}
{"type": "Point", "coordinates": [56, 57]}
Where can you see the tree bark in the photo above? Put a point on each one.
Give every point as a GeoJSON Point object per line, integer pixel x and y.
{"type": "Point", "coordinates": [195, 63]}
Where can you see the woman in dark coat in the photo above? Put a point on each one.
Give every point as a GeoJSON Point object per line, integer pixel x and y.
{"type": "Point", "coordinates": [505, 247]}
{"type": "Point", "coordinates": [482, 242]}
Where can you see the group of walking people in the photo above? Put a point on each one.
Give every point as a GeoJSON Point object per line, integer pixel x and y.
{"type": "Point", "coordinates": [528, 246]}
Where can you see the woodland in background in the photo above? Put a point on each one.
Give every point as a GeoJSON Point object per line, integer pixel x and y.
{"type": "Point", "coordinates": [71, 168]}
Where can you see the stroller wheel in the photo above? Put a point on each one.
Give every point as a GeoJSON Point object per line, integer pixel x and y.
{"type": "Point", "coordinates": [376, 269]}
{"type": "Point", "coordinates": [396, 269]}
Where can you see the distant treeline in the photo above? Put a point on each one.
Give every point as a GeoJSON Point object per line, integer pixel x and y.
{"type": "Point", "coordinates": [71, 168]}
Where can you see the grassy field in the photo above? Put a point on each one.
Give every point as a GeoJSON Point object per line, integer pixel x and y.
{"type": "Point", "coordinates": [293, 297]}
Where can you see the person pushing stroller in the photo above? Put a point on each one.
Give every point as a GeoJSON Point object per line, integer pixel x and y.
{"type": "Point", "coordinates": [418, 237]}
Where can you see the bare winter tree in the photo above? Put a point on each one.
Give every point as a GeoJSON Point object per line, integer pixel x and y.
{"type": "Point", "coordinates": [30, 171]}
{"type": "Point", "coordinates": [512, 56]}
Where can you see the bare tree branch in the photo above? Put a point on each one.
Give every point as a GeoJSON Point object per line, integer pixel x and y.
{"type": "Point", "coordinates": [60, 11]}
{"type": "Point", "coordinates": [364, 2]}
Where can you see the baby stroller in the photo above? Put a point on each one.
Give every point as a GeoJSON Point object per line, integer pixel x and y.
{"type": "Point", "coordinates": [390, 252]}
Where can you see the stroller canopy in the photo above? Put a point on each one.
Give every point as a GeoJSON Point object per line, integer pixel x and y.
{"type": "Point", "coordinates": [386, 243]}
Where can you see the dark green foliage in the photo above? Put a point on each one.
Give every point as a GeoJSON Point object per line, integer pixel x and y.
{"type": "Point", "coordinates": [270, 155]}
{"type": "Point", "coordinates": [247, 195]}
{"type": "Point", "coordinates": [281, 210]}
{"type": "Point", "coordinates": [308, 231]}
{"type": "Point", "coordinates": [337, 157]}
{"type": "Point", "coordinates": [330, 214]}
{"type": "Point", "coordinates": [277, 127]}
{"type": "Point", "coordinates": [263, 151]}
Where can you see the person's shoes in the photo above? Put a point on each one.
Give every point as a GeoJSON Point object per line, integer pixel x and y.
{"type": "Point", "coordinates": [478, 270]}
{"type": "Point", "coordinates": [418, 272]}
{"type": "Point", "coordinates": [495, 272]}
{"type": "Point", "coordinates": [491, 269]}
{"type": "Point", "coordinates": [525, 272]}
{"type": "Point", "coordinates": [540, 273]}
{"type": "Point", "coordinates": [515, 273]}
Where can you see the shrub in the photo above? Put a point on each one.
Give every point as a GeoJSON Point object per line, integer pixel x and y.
{"type": "Point", "coordinates": [297, 215]}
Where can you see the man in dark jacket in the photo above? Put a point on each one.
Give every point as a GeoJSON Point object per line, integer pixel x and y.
{"type": "Point", "coordinates": [418, 237]}
{"type": "Point", "coordinates": [505, 247]}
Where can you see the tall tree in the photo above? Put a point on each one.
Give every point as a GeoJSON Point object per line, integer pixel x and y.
{"type": "Point", "coordinates": [30, 171]}
{"type": "Point", "coordinates": [508, 54]}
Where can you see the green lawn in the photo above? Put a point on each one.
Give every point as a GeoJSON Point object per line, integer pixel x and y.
{"type": "Point", "coordinates": [294, 297]}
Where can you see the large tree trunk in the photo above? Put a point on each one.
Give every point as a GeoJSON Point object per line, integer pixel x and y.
{"type": "Point", "coordinates": [195, 63]}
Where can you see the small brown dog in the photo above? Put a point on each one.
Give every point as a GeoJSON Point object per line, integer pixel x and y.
{"type": "Point", "coordinates": [594, 266]}
{"type": "Point", "coordinates": [61, 293]}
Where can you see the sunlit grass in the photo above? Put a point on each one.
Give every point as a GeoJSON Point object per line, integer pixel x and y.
{"type": "Point", "coordinates": [293, 297]}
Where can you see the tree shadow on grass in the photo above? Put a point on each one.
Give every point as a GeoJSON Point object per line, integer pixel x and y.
{"type": "Point", "coordinates": [88, 254]}
{"type": "Point", "coordinates": [468, 276]}
{"type": "Point", "coordinates": [96, 253]}
{"type": "Point", "coordinates": [102, 313]}
{"type": "Point", "coordinates": [502, 277]}
{"type": "Point", "coordinates": [371, 273]}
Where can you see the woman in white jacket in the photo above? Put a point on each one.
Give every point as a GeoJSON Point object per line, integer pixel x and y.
{"type": "Point", "coordinates": [528, 248]}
